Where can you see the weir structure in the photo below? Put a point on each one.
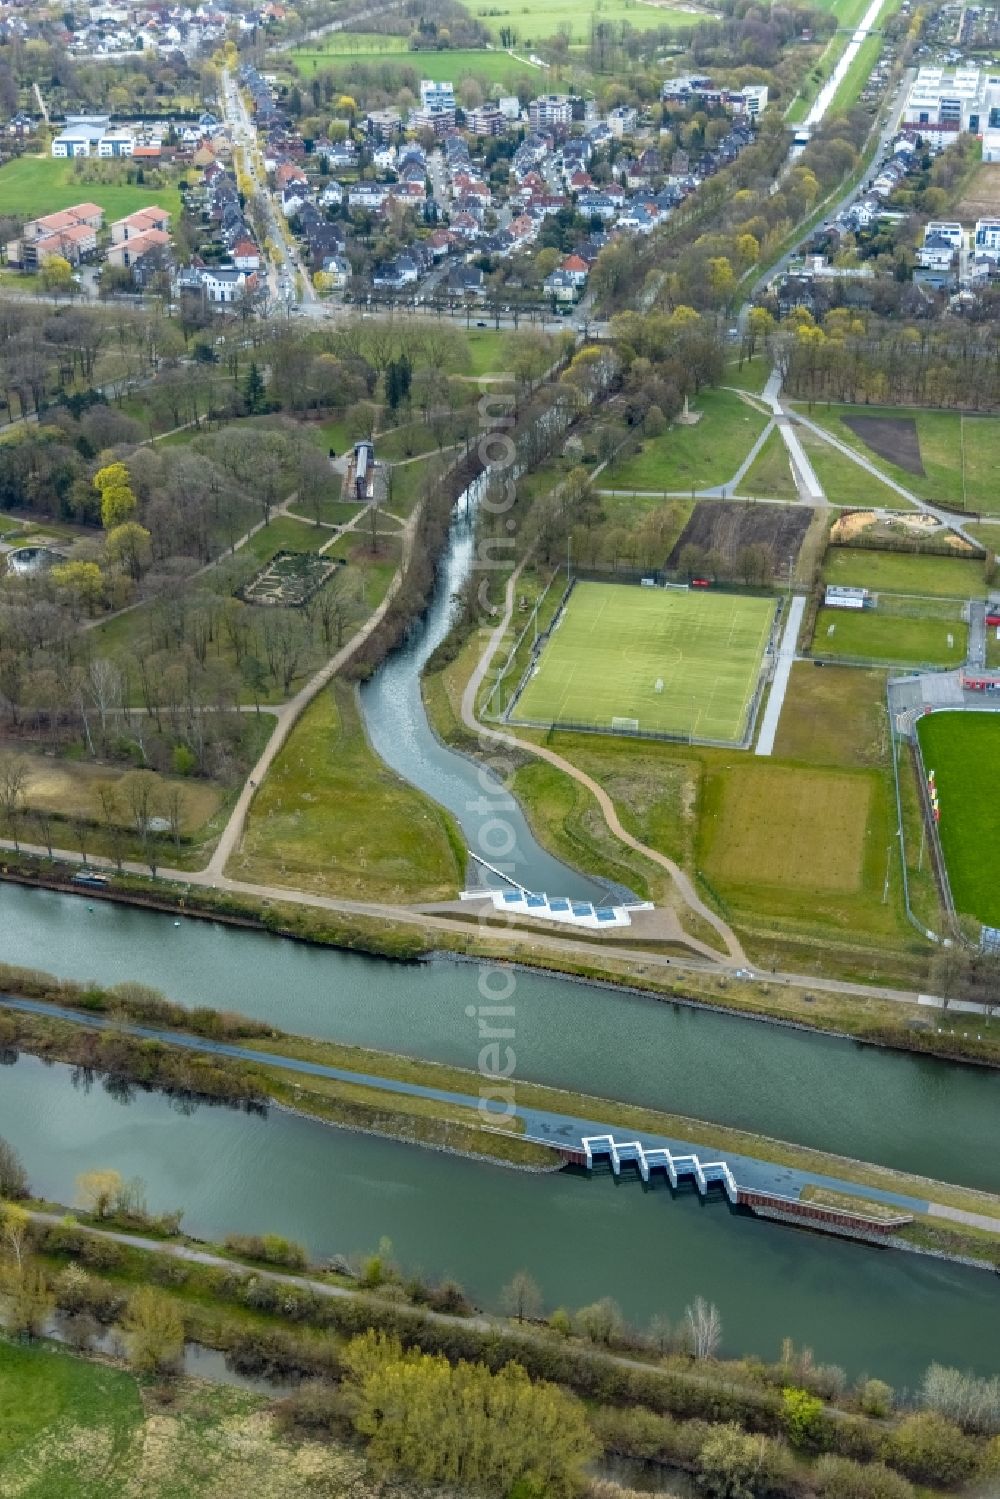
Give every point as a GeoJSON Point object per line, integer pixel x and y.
{"type": "Point", "coordinates": [842, 1222]}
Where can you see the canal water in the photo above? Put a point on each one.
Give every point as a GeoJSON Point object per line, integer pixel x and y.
{"type": "Point", "coordinates": [913, 1113]}
{"type": "Point", "coordinates": [867, 1309]}
{"type": "Point", "coordinates": [495, 828]}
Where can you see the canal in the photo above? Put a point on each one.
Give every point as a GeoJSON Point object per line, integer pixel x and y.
{"type": "Point", "coordinates": [910, 1112]}
{"type": "Point", "coordinates": [867, 1309]}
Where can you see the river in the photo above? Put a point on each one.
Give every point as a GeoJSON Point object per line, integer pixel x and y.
{"type": "Point", "coordinates": [339, 1193]}
{"type": "Point", "coordinates": [495, 828]}
{"type": "Point", "coordinates": [910, 1112]}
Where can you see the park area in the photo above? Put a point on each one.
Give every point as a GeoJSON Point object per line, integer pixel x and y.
{"type": "Point", "coordinates": [651, 660]}
{"type": "Point", "coordinates": [963, 750]}
{"type": "Point", "coordinates": [35, 185]}
{"type": "Point", "coordinates": [699, 456]}
{"type": "Point", "coordinates": [942, 456]}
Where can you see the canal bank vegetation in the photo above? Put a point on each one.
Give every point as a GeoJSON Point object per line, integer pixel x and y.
{"type": "Point", "coordinates": [358, 1102]}
{"type": "Point", "coordinates": [125, 1060]}
{"type": "Point", "coordinates": [408, 937]}
{"type": "Point", "coordinates": [792, 1427]}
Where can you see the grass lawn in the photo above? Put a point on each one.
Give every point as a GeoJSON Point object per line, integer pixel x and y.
{"type": "Point", "coordinates": [696, 457]}
{"type": "Point", "coordinates": [854, 80]}
{"type": "Point", "coordinates": [959, 454]}
{"type": "Point", "coordinates": [332, 817]}
{"type": "Point", "coordinates": [613, 643]}
{"type": "Point", "coordinates": [770, 474]}
{"type": "Point", "coordinates": [491, 67]}
{"type": "Point", "coordinates": [870, 636]}
{"type": "Point", "coordinates": [71, 1427]}
{"type": "Point", "coordinates": [844, 481]}
{"type": "Point", "coordinates": [411, 440]}
{"type": "Point", "coordinates": [963, 750]}
{"type": "Point", "coordinates": [532, 23]}
{"type": "Point", "coordinates": [783, 826]}
{"type": "Point", "coordinates": [834, 715]}
{"type": "Point", "coordinates": [43, 1391]}
{"type": "Point", "coordinates": [285, 533]}
{"type": "Point", "coordinates": [35, 185]}
{"type": "Point", "coordinates": [748, 374]}
{"type": "Point", "coordinates": [331, 513]}
{"type": "Point", "coordinates": [896, 572]}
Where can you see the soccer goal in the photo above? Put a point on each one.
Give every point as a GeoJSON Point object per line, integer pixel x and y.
{"type": "Point", "coordinates": [626, 724]}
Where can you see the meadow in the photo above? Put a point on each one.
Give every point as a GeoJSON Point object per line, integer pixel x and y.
{"type": "Point", "coordinates": [963, 750]}
{"type": "Point", "coordinates": [613, 644]}
{"type": "Point", "coordinates": [898, 572]}
{"type": "Point", "coordinates": [959, 454]}
{"type": "Point", "coordinates": [770, 474]}
{"type": "Point", "coordinates": [34, 185]}
{"type": "Point", "coordinates": [445, 66]}
{"type": "Point", "coordinates": [532, 23]}
{"type": "Point", "coordinates": [700, 456]}
{"type": "Point", "coordinates": [331, 817]}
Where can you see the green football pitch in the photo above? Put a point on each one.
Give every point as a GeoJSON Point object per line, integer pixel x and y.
{"type": "Point", "coordinates": [659, 660]}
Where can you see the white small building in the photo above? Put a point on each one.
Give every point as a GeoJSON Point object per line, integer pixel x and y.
{"type": "Point", "coordinates": [845, 598]}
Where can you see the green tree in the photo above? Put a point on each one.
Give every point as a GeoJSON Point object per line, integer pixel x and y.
{"type": "Point", "coordinates": [118, 502]}
{"type": "Point", "coordinates": [97, 1191]}
{"type": "Point", "coordinates": [253, 390]}
{"type": "Point", "coordinates": [14, 1226]}
{"type": "Point", "coordinates": [57, 276]}
{"type": "Point", "coordinates": [842, 1478]}
{"type": "Point", "coordinates": [154, 1332]}
{"type": "Point", "coordinates": [29, 1300]}
{"type": "Point", "coordinates": [803, 1418]}
{"type": "Point", "coordinates": [498, 1433]}
{"type": "Point", "coordinates": [129, 547]}
{"type": "Point", "coordinates": [733, 1464]}
{"type": "Point", "coordinates": [82, 582]}
{"type": "Point", "coordinates": [931, 1450]}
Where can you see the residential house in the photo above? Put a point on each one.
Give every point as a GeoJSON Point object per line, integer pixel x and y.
{"type": "Point", "coordinates": [560, 286]}
{"type": "Point", "coordinates": [126, 253]}
{"type": "Point", "coordinates": [138, 223]}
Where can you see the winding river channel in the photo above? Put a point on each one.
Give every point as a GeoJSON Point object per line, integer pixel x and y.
{"type": "Point", "coordinates": [871, 1310]}
{"type": "Point", "coordinates": [398, 728]}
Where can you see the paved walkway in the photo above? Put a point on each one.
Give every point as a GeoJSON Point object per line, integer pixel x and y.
{"type": "Point", "coordinates": [290, 712]}
{"type": "Point", "coordinates": [682, 883]}
{"type": "Point", "coordinates": [783, 670]}
{"type": "Point", "coordinates": [809, 487]}
{"type": "Point", "coordinates": [943, 517]}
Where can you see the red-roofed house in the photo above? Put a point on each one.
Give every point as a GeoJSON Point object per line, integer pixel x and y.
{"type": "Point", "coordinates": [246, 256]}
{"type": "Point", "coordinates": [576, 268]}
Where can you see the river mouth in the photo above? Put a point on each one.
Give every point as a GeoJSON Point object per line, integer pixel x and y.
{"type": "Point", "coordinates": [494, 826]}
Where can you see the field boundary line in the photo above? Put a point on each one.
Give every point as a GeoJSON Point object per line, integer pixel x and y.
{"type": "Point", "coordinates": [683, 884]}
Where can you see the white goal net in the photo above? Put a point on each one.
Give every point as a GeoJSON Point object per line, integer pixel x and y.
{"type": "Point", "coordinates": [625, 723]}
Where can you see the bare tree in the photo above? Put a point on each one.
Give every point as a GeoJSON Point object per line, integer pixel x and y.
{"type": "Point", "coordinates": [521, 1298]}
{"type": "Point", "coordinates": [703, 1327]}
{"type": "Point", "coordinates": [13, 781]}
